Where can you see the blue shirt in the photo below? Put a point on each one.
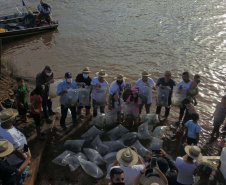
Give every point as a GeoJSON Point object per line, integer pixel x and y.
{"type": "Point", "coordinates": [193, 129]}
{"type": "Point", "coordinates": [64, 85]}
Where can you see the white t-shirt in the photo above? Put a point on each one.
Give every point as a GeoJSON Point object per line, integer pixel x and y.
{"type": "Point", "coordinates": [15, 137]}
{"type": "Point", "coordinates": [140, 83]}
{"type": "Point", "coordinates": [114, 87]}
{"type": "Point", "coordinates": [185, 171]}
{"type": "Point", "coordinates": [94, 82]}
{"type": "Point", "coordinates": [185, 86]}
{"type": "Point", "coordinates": [131, 172]}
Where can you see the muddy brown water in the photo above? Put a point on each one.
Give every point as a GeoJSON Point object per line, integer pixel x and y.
{"type": "Point", "coordinates": [127, 37]}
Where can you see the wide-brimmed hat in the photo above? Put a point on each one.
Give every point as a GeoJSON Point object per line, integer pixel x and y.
{"type": "Point", "coordinates": [6, 147]}
{"type": "Point", "coordinates": [86, 70]}
{"type": "Point", "coordinates": [120, 77]}
{"type": "Point", "coordinates": [102, 73]}
{"type": "Point", "coordinates": [7, 114]}
{"type": "Point", "coordinates": [127, 157]}
{"type": "Point", "coordinates": [152, 180]}
{"type": "Point", "coordinates": [145, 73]}
{"type": "Point", "coordinates": [194, 152]}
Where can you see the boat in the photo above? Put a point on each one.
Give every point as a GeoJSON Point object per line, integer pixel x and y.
{"type": "Point", "coordinates": [19, 29]}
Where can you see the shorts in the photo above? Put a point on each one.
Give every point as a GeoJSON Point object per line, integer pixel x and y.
{"type": "Point", "coordinates": [37, 119]}
{"type": "Point", "coordinates": [191, 141]}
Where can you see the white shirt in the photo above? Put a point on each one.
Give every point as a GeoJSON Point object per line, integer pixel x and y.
{"type": "Point", "coordinates": [185, 171]}
{"type": "Point", "coordinates": [94, 82]}
{"type": "Point", "coordinates": [131, 172]}
{"type": "Point", "coordinates": [15, 137]}
{"type": "Point", "coordinates": [185, 86]}
{"type": "Point", "coordinates": [140, 83]}
{"type": "Point", "coordinates": [114, 87]}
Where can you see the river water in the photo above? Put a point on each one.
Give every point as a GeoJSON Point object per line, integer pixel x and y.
{"type": "Point", "coordinates": [128, 36]}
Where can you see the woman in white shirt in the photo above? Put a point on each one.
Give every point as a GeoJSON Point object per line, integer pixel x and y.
{"type": "Point", "coordinates": [186, 165]}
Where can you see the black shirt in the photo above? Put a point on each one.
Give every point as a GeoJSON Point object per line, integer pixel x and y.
{"type": "Point", "coordinates": [7, 173]}
{"type": "Point", "coordinates": [80, 78]}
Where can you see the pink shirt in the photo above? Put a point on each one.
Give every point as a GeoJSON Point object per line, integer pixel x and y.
{"type": "Point", "coordinates": [135, 109]}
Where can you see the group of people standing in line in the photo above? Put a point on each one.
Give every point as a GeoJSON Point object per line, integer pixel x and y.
{"type": "Point", "coordinates": [120, 92]}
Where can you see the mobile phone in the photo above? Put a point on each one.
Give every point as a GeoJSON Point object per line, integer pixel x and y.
{"type": "Point", "coordinates": [153, 162]}
{"type": "Point", "coordinates": [25, 148]}
{"type": "Point", "coordinates": [157, 152]}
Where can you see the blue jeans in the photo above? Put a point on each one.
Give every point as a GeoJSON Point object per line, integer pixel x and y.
{"type": "Point", "coordinates": [64, 114]}
{"type": "Point", "coordinates": [46, 106]}
{"type": "Point", "coordinates": [147, 107]}
{"type": "Point", "coordinates": [20, 178]}
{"type": "Point", "coordinates": [95, 107]}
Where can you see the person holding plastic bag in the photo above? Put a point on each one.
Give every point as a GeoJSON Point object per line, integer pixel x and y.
{"type": "Point", "coordinates": [145, 86]}
{"type": "Point", "coordinates": [62, 90]}
{"type": "Point", "coordinates": [83, 79]}
{"type": "Point", "coordinates": [136, 102]}
{"type": "Point", "coordinates": [99, 89]}
{"type": "Point", "coordinates": [116, 105]}
{"type": "Point", "coordinates": [116, 86]}
{"type": "Point", "coordinates": [165, 82]}
{"type": "Point", "coordinates": [184, 86]}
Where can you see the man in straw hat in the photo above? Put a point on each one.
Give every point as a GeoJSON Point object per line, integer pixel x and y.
{"type": "Point", "coordinates": [145, 85]}
{"type": "Point", "coordinates": [186, 164]}
{"type": "Point", "coordinates": [10, 175]}
{"type": "Point", "coordinates": [99, 83]}
{"type": "Point", "coordinates": [129, 161]}
{"type": "Point", "coordinates": [83, 79]}
{"type": "Point", "coordinates": [116, 86]}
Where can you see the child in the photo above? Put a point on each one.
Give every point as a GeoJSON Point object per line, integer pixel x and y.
{"type": "Point", "coordinates": [136, 102]}
{"type": "Point", "coordinates": [35, 108]}
{"type": "Point", "coordinates": [193, 88]}
{"type": "Point", "coordinates": [127, 92]}
{"type": "Point", "coordinates": [116, 105]}
{"type": "Point", "coordinates": [219, 116]}
{"type": "Point", "coordinates": [190, 109]}
{"type": "Point", "coordinates": [21, 97]}
{"type": "Point", "coordinates": [193, 129]}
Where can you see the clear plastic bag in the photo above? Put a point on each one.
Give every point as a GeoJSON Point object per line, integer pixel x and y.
{"type": "Point", "coordinates": [127, 108]}
{"type": "Point", "coordinates": [70, 98]}
{"type": "Point", "coordinates": [91, 133]}
{"type": "Point", "coordinates": [101, 96]}
{"type": "Point", "coordinates": [162, 96]}
{"type": "Point", "coordinates": [156, 144]}
{"type": "Point", "coordinates": [75, 162]}
{"type": "Point", "coordinates": [144, 92]}
{"type": "Point", "coordinates": [91, 168]}
{"type": "Point", "coordinates": [114, 146]}
{"type": "Point", "coordinates": [151, 119]}
{"type": "Point", "coordinates": [110, 157]}
{"type": "Point", "coordinates": [94, 156]}
{"type": "Point", "coordinates": [178, 96]}
{"type": "Point", "coordinates": [73, 145]}
{"type": "Point", "coordinates": [99, 120]}
{"type": "Point", "coordinates": [84, 96]}
{"type": "Point", "coordinates": [108, 167]}
{"type": "Point", "coordinates": [99, 146]}
{"type": "Point", "coordinates": [53, 88]}
{"type": "Point", "coordinates": [129, 138]}
{"type": "Point", "coordinates": [63, 158]}
{"type": "Point", "coordinates": [160, 131]}
{"type": "Point", "coordinates": [142, 151]}
{"type": "Point", "coordinates": [143, 131]}
{"type": "Point", "coordinates": [111, 118]}
{"type": "Point", "coordinates": [117, 132]}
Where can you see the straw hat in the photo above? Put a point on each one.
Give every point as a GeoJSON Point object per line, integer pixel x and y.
{"type": "Point", "coordinates": [102, 73]}
{"type": "Point", "coordinates": [120, 77]}
{"type": "Point", "coordinates": [152, 180]}
{"type": "Point", "coordinates": [194, 152]}
{"type": "Point", "coordinates": [6, 147]}
{"type": "Point", "coordinates": [145, 73]}
{"type": "Point", "coordinates": [86, 70]}
{"type": "Point", "coordinates": [127, 157]}
{"type": "Point", "coordinates": [7, 114]}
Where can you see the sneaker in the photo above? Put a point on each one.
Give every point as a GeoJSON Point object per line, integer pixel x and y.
{"type": "Point", "coordinates": [49, 121]}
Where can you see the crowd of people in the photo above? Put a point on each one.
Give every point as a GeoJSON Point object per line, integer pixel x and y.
{"type": "Point", "coordinates": [129, 168]}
